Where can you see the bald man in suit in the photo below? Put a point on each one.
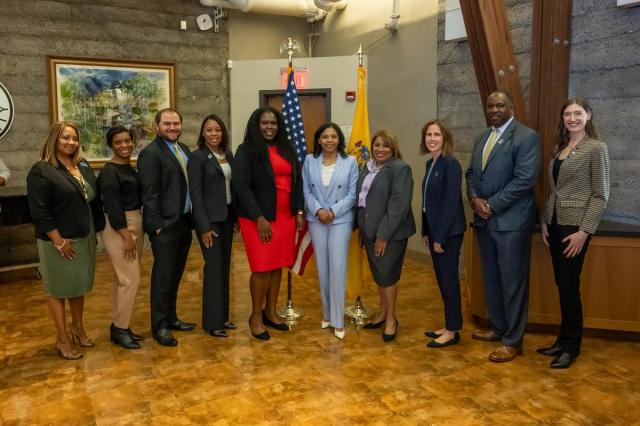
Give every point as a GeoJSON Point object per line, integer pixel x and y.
{"type": "Point", "coordinates": [502, 174]}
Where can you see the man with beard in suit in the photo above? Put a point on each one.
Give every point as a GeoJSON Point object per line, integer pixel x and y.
{"type": "Point", "coordinates": [166, 213]}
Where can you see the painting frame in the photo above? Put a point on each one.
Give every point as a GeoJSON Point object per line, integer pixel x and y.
{"type": "Point", "coordinates": [107, 92]}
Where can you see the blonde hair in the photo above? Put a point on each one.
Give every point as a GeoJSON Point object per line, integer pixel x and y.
{"type": "Point", "coordinates": [48, 152]}
{"type": "Point", "coordinates": [390, 140]}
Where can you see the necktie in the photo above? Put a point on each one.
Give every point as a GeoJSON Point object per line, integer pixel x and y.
{"type": "Point", "coordinates": [489, 147]}
{"type": "Point", "coordinates": [181, 160]}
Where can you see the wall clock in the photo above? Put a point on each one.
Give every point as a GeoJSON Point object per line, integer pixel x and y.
{"type": "Point", "coordinates": [6, 110]}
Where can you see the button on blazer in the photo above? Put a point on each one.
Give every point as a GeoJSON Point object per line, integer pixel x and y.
{"type": "Point", "coordinates": [508, 179]}
{"type": "Point", "coordinates": [444, 216]}
{"type": "Point", "coordinates": [580, 196]}
{"type": "Point", "coordinates": [163, 185]}
{"type": "Point", "coordinates": [56, 201]}
{"type": "Point", "coordinates": [388, 214]}
{"type": "Point", "coordinates": [339, 195]}
{"type": "Point", "coordinates": [207, 187]}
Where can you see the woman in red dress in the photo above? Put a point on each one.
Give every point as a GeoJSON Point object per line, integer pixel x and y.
{"type": "Point", "coordinates": [268, 186]}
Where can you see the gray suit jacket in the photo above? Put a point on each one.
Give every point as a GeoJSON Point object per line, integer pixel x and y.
{"type": "Point", "coordinates": [580, 196]}
{"type": "Point", "coordinates": [388, 214]}
{"type": "Point", "coordinates": [508, 179]}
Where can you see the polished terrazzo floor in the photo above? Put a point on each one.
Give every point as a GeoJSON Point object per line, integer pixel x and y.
{"type": "Point", "coordinates": [305, 376]}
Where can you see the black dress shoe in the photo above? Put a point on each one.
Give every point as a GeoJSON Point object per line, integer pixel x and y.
{"type": "Point", "coordinates": [390, 337]}
{"type": "Point", "coordinates": [553, 350]}
{"type": "Point", "coordinates": [217, 333]}
{"type": "Point", "coordinates": [455, 339]}
{"type": "Point", "coordinates": [373, 325]}
{"type": "Point", "coordinates": [564, 360]}
{"type": "Point", "coordinates": [120, 336]}
{"type": "Point", "coordinates": [165, 338]}
{"type": "Point", "coordinates": [230, 326]}
{"type": "Point", "coordinates": [432, 334]}
{"type": "Point", "coordinates": [278, 326]}
{"type": "Point", "coordinates": [180, 325]}
{"type": "Point", "coordinates": [134, 336]}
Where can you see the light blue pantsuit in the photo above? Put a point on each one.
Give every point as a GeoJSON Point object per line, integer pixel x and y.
{"type": "Point", "coordinates": [331, 241]}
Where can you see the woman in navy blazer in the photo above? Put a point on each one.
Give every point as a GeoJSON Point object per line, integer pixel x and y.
{"type": "Point", "coordinates": [209, 171]}
{"type": "Point", "coordinates": [329, 182]}
{"type": "Point", "coordinates": [443, 224]}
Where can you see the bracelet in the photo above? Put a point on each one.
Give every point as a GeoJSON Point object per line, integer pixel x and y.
{"type": "Point", "coordinates": [59, 247]}
{"type": "Point", "coordinates": [300, 212]}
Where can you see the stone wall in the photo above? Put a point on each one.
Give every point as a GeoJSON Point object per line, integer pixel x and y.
{"type": "Point", "coordinates": [145, 30]}
{"type": "Point", "coordinates": [605, 66]}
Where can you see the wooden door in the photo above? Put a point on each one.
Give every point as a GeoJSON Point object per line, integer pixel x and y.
{"type": "Point", "coordinates": [315, 105]}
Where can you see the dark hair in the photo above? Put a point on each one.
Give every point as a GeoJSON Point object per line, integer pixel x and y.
{"type": "Point", "coordinates": [504, 93]}
{"type": "Point", "coordinates": [116, 130]}
{"type": "Point", "coordinates": [162, 111]}
{"type": "Point", "coordinates": [257, 145]}
{"type": "Point", "coordinates": [563, 133]}
{"type": "Point", "coordinates": [447, 138]}
{"type": "Point", "coordinates": [317, 148]}
{"type": "Point", "coordinates": [224, 142]}
{"type": "Point", "coordinates": [390, 140]}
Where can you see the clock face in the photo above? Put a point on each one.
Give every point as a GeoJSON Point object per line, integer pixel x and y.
{"type": "Point", "coordinates": [6, 110]}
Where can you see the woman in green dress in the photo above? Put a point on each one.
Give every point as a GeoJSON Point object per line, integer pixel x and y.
{"type": "Point", "coordinates": [66, 211]}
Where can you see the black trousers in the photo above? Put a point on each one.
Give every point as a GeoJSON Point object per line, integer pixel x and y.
{"type": "Point", "coordinates": [217, 269]}
{"type": "Point", "coordinates": [567, 275]}
{"type": "Point", "coordinates": [170, 250]}
{"type": "Point", "coordinates": [446, 267]}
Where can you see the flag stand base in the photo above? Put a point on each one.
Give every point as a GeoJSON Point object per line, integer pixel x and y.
{"type": "Point", "coordinates": [289, 312]}
{"type": "Point", "coordinates": [357, 313]}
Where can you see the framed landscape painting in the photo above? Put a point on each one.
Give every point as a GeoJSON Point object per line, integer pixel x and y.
{"type": "Point", "coordinates": [99, 94]}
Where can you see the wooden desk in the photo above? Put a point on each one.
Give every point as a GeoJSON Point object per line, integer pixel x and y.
{"type": "Point", "coordinates": [610, 280]}
{"type": "Point", "coordinates": [17, 240]}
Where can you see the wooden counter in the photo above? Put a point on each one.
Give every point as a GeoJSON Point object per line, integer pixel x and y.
{"type": "Point", "coordinates": [610, 281]}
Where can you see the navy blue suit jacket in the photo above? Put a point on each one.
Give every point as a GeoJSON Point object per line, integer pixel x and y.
{"type": "Point", "coordinates": [444, 215]}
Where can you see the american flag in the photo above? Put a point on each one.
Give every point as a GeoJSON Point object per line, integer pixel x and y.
{"type": "Point", "coordinates": [292, 114]}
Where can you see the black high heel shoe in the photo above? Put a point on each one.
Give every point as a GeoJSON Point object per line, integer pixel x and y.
{"type": "Point", "coordinates": [121, 336]}
{"type": "Point", "coordinates": [260, 336]}
{"type": "Point", "coordinates": [281, 326]}
{"type": "Point", "coordinates": [390, 337]}
{"type": "Point", "coordinates": [373, 325]}
{"type": "Point", "coordinates": [134, 336]}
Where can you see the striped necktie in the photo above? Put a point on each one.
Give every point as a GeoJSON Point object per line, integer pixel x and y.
{"type": "Point", "coordinates": [489, 147]}
{"type": "Point", "coordinates": [181, 160]}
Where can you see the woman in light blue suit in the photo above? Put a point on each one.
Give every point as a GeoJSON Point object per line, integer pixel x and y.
{"type": "Point", "coordinates": [329, 180]}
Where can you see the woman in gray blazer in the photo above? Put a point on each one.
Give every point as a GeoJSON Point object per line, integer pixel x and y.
{"type": "Point", "coordinates": [329, 180]}
{"type": "Point", "coordinates": [578, 176]}
{"type": "Point", "coordinates": [385, 219]}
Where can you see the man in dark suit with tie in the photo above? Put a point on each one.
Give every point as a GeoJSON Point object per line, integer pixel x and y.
{"type": "Point", "coordinates": [166, 214]}
{"type": "Point", "coordinates": [502, 174]}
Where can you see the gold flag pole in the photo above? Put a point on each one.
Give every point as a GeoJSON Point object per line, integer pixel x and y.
{"type": "Point", "coordinates": [289, 312]}
{"type": "Point", "coordinates": [357, 313]}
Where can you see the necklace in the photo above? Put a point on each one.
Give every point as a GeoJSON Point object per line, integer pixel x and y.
{"type": "Point", "coordinates": [328, 162]}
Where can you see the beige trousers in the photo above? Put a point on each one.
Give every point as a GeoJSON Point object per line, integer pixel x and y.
{"type": "Point", "coordinates": [128, 272]}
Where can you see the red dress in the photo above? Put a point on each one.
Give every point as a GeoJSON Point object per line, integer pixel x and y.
{"type": "Point", "coordinates": [280, 251]}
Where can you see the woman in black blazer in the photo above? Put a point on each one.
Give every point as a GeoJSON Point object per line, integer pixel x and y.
{"type": "Point", "coordinates": [267, 182]}
{"type": "Point", "coordinates": [443, 224]}
{"type": "Point", "coordinates": [67, 212]}
{"type": "Point", "coordinates": [209, 171]}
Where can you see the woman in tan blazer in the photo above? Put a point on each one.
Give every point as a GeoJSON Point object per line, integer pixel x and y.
{"type": "Point", "coordinates": [578, 176]}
